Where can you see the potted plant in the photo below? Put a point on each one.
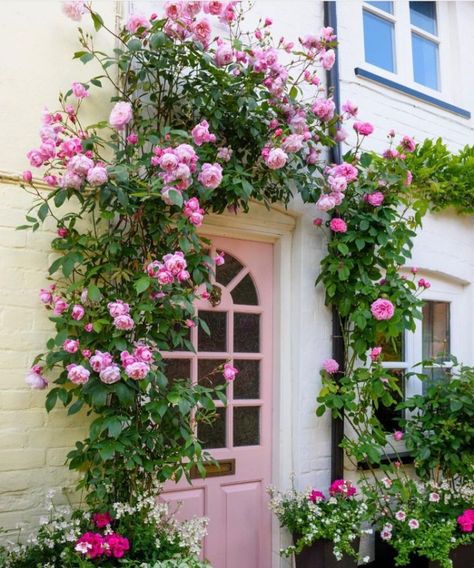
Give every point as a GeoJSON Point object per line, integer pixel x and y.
{"type": "Point", "coordinates": [326, 530]}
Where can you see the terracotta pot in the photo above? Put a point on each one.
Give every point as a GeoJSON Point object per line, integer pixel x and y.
{"type": "Point", "coordinates": [462, 557]}
{"type": "Point", "coordinates": [320, 555]}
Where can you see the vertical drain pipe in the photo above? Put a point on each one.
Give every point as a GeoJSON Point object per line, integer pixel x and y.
{"type": "Point", "coordinates": [337, 424]}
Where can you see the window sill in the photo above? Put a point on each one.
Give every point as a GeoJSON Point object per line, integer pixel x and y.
{"type": "Point", "coordinates": [411, 92]}
{"type": "Point", "coordinates": [405, 458]}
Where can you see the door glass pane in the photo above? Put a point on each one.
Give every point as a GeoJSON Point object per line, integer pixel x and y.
{"type": "Point", "coordinates": [217, 323]}
{"type": "Point", "coordinates": [213, 435]}
{"type": "Point", "coordinates": [385, 6]}
{"type": "Point", "coordinates": [436, 340]}
{"type": "Point", "coordinates": [425, 61]}
{"type": "Point", "coordinates": [247, 383]}
{"type": "Point", "coordinates": [229, 270]}
{"type": "Point", "coordinates": [245, 293]}
{"type": "Point", "coordinates": [246, 426]}
{"type": "Point", "coordinates": [246, 333]}
{"type": "Point", "coordinates": [177, 369]}
{"type": "Point", "coordinates": [423, 15]}
{"type": "Point", "coordinates": [378, 41]}
{"type": "Point", "coordinates": [208, 376]}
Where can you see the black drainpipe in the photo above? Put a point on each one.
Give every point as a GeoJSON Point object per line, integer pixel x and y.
{"type": "Point", "coordinates": [337, 424]}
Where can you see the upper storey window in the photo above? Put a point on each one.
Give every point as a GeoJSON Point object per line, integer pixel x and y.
{"type": "Point", "coordinates": [425, 43]}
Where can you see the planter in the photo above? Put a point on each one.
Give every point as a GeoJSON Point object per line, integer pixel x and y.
{"type": "Point", "coordinates": [462, 557]}
{"type": "Point", "coordinates": [320, 555]}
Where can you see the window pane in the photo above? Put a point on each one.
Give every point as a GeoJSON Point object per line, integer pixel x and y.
{"type": "Point", "coordinates": [247, 383]}
{"type": "Point", "coordinates": [245, 292]}
{"type": "Point", "coordinates": [378, 41]}
{"type": "Point", "coordinates": [423, 15]}
{"type": "Point", "coordinates": [246, 333]}
{"type": "Point", "coordinates": [392, 348]}
{"type": "Point", "coordinates": [213, 435]}
{"type": "Point", "coordinates": [207, 374]}
{"type": "Point", "coordinates": [425, 61]}
{"type": "Point", "coordinates": [385, 6]}
{"type": "Point", "coordinates": [217, 323]}
{"type": "Point", "coordinates": [246, 426]}
{"type": "Point", "coordinates": [229, 270]}
{"type": "Point", "coordinates": [388, 415]}
{"type": "Point", "coordinates": [436, 339]}
{"type": "Point", "coordinates": [177, 369]}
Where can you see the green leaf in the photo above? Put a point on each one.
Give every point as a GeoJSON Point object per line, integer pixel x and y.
{"type": "Point", "coordinates": [134, 44]}
{"type": "Point", "coordinates": [51, 399]}
{"type": "Point", "coordinates": [98, 21]}
{"type": "Point", "coordinates": [175, 197]}
{"type": "Point", "coordinates": [43, 211]}
{"type": "Point", "coordinates": [74, 408]}
{"type": "Point", "coordinates": [86, 57]}
{"type": "Point", "coordinates": [93, 293]}
{"type": "Point", "coordinates": [142, 284]}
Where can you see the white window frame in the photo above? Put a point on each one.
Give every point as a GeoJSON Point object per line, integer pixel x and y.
{"type": "Point", "coordinates": [403, 55]}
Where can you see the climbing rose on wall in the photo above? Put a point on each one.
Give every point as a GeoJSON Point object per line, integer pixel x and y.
{"type": "Point", "coordinates": [382, 309]}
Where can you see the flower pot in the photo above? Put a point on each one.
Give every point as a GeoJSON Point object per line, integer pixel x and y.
{"type": "Point", "coordinates": [320, 555]}
{"type": "Point", "coordinates": [462, 556]}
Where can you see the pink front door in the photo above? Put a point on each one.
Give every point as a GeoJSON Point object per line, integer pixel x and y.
{"type": "Point", "coordinates": [234, 499]}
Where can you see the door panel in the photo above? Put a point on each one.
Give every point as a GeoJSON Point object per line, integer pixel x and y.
{"type": "Point", "coordinates": [239, 531]}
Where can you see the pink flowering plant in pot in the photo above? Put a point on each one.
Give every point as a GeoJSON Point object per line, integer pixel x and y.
{"type": "Point", "coordinates": [314, 518]}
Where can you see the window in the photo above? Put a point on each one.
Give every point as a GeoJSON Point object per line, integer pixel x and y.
{"type": "Point", "coordinates": [397, 31]}
{"type": "Point", "coordinates": [379, 41]}
{"type": "Point", "coordinates": [436, 340]}
{"type": "Point", "coordinates": [424, 43]}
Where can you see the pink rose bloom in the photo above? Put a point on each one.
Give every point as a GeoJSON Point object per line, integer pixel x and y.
{"type": "Point", "coordinates": [77, 374]}
{"type": "Point", "coordinates": [118, 308]}
{"type": "Point", "coordinates": [316, 496]}
{"type": "Point", "coordinates": [466, 520]}
{"type": "Point", "coordinates": [363, 128]}
{"type": "Point", "coordinates": [398, 435]}
{"type": "Point", "coordinates": [137, 22]}
{"type": "Point", "coordinates": [99, 361]}
{"type": "Point", "coordinates": [110, 375]}
{"type": "Point", "coordinates": [77, 312]}
{"type": "Point", "coordinates": [219, 259]}
{"type": "Point", "coordinates": [121, 115]}
{"type": "Point", "coordinates": [97, 176]}
{"type": "Point", "coordinates": [88, 327]}
{"type": "Point", "coordinates": [137, 371]}
{"type": "Point", "coordinates": [59, 306]}
{"type": "Point", "coordinates": [276, 159]}
{"type": "Point", "coordinates": [408, 179]}
{"type": "Point", "coordinates": [408, 144]}
{"type": "Point", "coordinates": [164, 277]}
{"type": "Point", "coordinates": [116, 545]}
{"type": "Point", "coordinates": [101, 520]}
{"type": "Point", "coordinates": [224, 55]}
{"type": "Point", "coordinates": [125, 323]}
{"type": "Point", "coordinates": [127, 359]}
{"type": "Point", "coordinates": [324, 109]}
{"type": "Point", "coordinates": [422, 283]}
{"type": "Point", "coordinates": [201, 134]}
{"type": "Point", "coordinates": [70, 180]}
{"type": "Point", "coordinates": [27, 176]}
{"type": "Point", "coordinates": [62, 232]}
{"type": "Point", "coordinates": [210, 175]}
{"type": "Point", "coordinates": [293, 143]}
{"type": "Point", "coordinates": [71, 345]}
{"type": "Point", "coordinates": [224, 154]}
{"type": "Point", "coordinates": [35, 158]}
{"type": "Point", "coordinates": [202, 31]}
{"type": "Point", "coordinates": [183, 275]}
{"type": "Point", "coordinates": [337, 184]}
{"type": "Point", "coordinates": [74, 9]}
{"type": "Point", "coordinates": [342, 487]}
{"type": "Point", "coordinates": [327, 59]}
{"type": "Point", "coordinates": [338, 225]}
{"type": "Point", "coordinates": [317, 222]}
{"type": "Point", "coordinates": [214, 7]}
{"type": "Point", "coordinates": [325, 202]}
{"type": "Point", "coordinates": [350, 109]}
{"type": "Point", "coordinates": [80, 164]}
{"type": "Point", "coordinates": [375, 199]}
{"type": "Point", "coordinates": [345, 170]}
{"type": "Point", "coordinates": [375, 353]}
{"type": "Point", "coordinates": [168, 161]}
{"type": "Point", "coordinates": [34, 378]}
{"type": "Point", "coordinates": [330, 366]}
{"type": "Point", "coordinates": [382, 309]}
{"type": "Point", "coordinates": [143, 353]}
{"type": "Point", "coordinates": [175, 262]}
{"type": "Point", "coordinates": [192, 7]}
{"type": "Point", "coordinates": [174, 10]}
{"type": "Point", "coordinates": [46, 296]}
{"type": "Point", "coordinates": [230, 372]}
{"type": "Point", "coordinates": [79, 91]}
